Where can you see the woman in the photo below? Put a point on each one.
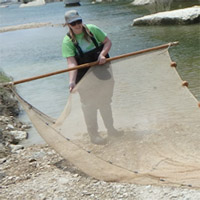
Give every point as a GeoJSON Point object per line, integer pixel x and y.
{"type": "Point", "coordinates": [84, 44]}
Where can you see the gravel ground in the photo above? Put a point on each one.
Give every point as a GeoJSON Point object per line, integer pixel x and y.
{"type": "Point", "coordinates": [38, 172]}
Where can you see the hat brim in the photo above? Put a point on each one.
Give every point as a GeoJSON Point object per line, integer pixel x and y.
{"type": "Point", "coordinates": [75, 19]}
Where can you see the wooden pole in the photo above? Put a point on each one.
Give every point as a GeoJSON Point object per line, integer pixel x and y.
{"type": "Point", "coordinates": [91, 64]}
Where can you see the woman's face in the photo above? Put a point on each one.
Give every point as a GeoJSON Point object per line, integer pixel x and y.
{"type": "Point", "coordinates": [76, 26]}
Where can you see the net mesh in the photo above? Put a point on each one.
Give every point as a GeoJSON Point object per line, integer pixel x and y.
{"type": "Point", "coordinates": [156, 120]}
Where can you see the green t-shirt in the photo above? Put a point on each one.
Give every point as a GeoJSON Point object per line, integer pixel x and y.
{"type": "Point", "coordinates": [68, 48]}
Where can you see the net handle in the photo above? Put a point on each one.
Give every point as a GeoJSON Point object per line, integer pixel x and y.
{"type": "Point", "coordinates": [90, 64]}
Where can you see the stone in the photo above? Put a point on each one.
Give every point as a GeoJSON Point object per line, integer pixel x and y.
{"type": "Point", "coordinates": [25, 126]}
{"type": "Point", "coordinates": [33, 3]}
{"type": "Point", "coordinates": [142, 2]}
{"type": "Point", "coordinates": [4, 119]}
{"type": "Point", "coordinates": [181, 16]}
{"type": "Point", "coordinates": [19, 135]}
{"type": "Point", "coordinates": [9, 127]}
{"type": "Point", "coordinates": [15, 148]}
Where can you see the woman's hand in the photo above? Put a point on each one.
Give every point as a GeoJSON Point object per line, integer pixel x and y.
{"type": "Point", "coordinates": [71, 86]}
{"type": "Point", "coordinates": [107, 45]}
{"type": "Point", "coordinates": [101, 59]}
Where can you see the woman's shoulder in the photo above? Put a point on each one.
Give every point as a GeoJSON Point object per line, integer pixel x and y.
{"type": "Point", "coordinates": [66, 39]}
{"type": "Point", "coordinates": [92, 27]}
{"type": "Point", "coordinates": [97, 32]}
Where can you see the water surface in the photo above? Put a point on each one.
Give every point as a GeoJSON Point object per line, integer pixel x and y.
{"type": "Point", "coordinates": [31, 52]}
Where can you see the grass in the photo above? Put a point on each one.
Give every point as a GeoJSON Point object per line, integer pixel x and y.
{"type": "Point", "coordinates": [4, 78]}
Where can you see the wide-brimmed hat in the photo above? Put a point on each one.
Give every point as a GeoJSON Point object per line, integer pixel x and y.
{"type": "Point", "coordinates": [72, 16]}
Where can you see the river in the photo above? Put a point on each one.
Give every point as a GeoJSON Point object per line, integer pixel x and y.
{"type": "Point", "coordinates": [30, 52]}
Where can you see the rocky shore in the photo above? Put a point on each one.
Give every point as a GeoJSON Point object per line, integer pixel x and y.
{"type": "Point", "coordinates": [38, 172]}
{"type": "Point", "coordinates": [12, 131]}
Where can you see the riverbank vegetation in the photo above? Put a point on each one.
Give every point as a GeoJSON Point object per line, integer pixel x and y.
{"type": "Point", "coordinates": [8, 105]}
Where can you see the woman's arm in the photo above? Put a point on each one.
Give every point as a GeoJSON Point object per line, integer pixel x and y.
{"type": "Point", "coordinates": [71, 62]}
{"type": "Point", "coordinates": [107, 45]}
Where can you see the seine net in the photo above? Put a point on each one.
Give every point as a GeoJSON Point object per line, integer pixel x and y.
{"type": "Point", "coordinates": [156, 120]}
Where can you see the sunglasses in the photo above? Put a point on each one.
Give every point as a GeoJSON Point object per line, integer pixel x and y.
{"type": "Point", "coordinates": [76, 22]}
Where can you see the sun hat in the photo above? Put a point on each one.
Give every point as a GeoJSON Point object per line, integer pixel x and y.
{"type": "Point", "coordinates": [72, 16]}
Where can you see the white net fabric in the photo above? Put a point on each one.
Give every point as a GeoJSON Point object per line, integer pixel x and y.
{"type": "Point", "coordinates": [157, 122]}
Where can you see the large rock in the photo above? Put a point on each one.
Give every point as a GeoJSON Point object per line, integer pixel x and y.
{"type": "Point", "coordinates": [33, 3]}
{"type": "Point", "coordinates": [142, 2]}
{"type": "Point", "coordinates": [182, 16]}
